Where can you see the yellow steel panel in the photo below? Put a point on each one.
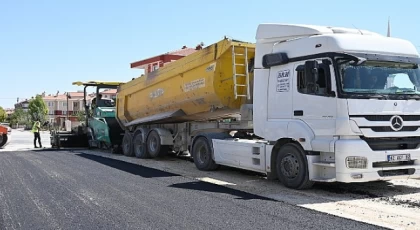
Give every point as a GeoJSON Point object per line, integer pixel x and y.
{"type": "Point", "coordinates": [200, 84]}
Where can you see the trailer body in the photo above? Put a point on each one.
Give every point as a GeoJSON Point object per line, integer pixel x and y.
{"type": "Point", "coordinates": [200, 86]}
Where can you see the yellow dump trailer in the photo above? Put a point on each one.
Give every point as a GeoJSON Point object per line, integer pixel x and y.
{"type": "Point", "coordinates": [211, 83]}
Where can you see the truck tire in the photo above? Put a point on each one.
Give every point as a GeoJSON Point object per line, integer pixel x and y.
{"type": "Point", "coordinates": [202, 154]}
{"type": "Point", "coordinates": [292, 167]}
{"type": "Point", "coordinates": [154, 147]}
{"type": "Point", "coordinates": [139, 147]}
{"type": "Point", "coordinates": [3, 140]}
{"type": "Point", "coordinates": [127, 144]}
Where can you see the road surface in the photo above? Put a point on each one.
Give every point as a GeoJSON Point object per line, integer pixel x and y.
{"type": "Point", "coordinates": [77, 190]}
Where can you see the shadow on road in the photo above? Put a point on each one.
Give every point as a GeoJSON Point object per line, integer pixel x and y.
{"type": "Point", "coordinates": [208, 187]}
{"type": "Point", "coordinates": [384, 191]}
{"type": "Point", "coordinates": [134, 169]}
{"type": "Point", "coordinates": [147, 172]}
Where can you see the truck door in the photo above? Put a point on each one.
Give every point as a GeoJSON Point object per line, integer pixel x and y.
{"type": "Point", "coordinates": [316, 106]}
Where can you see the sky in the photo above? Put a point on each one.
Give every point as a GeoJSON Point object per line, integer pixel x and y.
{"type": "Point", "coordinates": [45, 45]}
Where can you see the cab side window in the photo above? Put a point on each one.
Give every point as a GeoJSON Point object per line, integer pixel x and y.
{"type": "Point", "coordinates": [321, 84]}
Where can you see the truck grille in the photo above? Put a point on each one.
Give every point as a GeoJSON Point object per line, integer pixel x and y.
{"type": "Point", "coordinates": [386, 164]}
{"type": "Point", "coordinates": [380, 144]}
{"type": "Point", "coordinates": [396, 172]}
{"type": "Point", "coordinates": [412, 127]}
{"type": "Point", "coordinates": [388, 129]}
{"type": "Point", "coordinates": [388, 117]}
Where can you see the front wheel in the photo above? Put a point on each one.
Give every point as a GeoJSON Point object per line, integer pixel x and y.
{"type": "Point", "coordinates": [203, 155]}
{"type": "Point", "coordinates": [292, 167]}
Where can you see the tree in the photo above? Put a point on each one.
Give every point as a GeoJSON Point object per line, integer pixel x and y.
{"type": "Point", "coordinates": [3, 114]}
{"type": "Point", "coordinates": [38, 109]}
{"type": "Point", "coordinates": [19, 117]}
{"type": "Point", "coordinates": [81, 116]}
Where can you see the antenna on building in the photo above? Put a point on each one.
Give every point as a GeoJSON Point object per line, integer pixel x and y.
{"type": "Point", "coordinates": [388, 34]}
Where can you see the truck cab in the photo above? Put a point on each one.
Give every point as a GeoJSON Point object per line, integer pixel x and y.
{"type": "Point", "coordinates": [348, 100]}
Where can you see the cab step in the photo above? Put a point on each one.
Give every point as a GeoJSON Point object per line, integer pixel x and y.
{"type": "Point", "coordinates": [325, 164]}
{"type": "Point", "coordinates": [324, 180]}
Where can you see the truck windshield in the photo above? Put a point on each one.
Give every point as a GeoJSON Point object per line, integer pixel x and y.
{"type": "Point", "coordinates": [381, 79]}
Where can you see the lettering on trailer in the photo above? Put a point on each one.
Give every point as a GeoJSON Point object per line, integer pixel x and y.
{"type": "Point", "coordinates": [283, 81]}
{"type": "Point", "coordinates": [156, 93]}
{"type": "Point", "coordinates": [193, 85]}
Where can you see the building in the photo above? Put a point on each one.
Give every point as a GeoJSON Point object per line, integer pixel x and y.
{"type": "Point", "coordinates": [109, 94]}
{"type": "Point", "coordinates": [154, 63]}
{"type": "Point", "coordinates": [61, 106]}
{"type": "Point", "coordinates": [24, 105]}
{"type": "Point", "coordinates": [71, 103]}
{"type": "Point", "coordinates": [9, 111]}
{"type": "Point", "coordinates": [390, 81]}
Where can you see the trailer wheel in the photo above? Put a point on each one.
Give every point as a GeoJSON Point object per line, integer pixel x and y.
{"type": "Point", "coordinates": [202, 155]}
{"type": "Point", "coordinates": [140, 148]}
{"type": "Point", "coordinates": [292, 167]}
{"type": "Point", "coordinates": [154, 146]}
{"type": "Point", "coordinates": [127, 144]}
{"type": "Point", "coordinates": [3, 140]}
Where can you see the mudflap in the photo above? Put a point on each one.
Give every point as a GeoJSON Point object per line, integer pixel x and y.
{"type": "Point", "coordinates": [107, 131]}
{"type": "Point", "coordinates": [115, 131]}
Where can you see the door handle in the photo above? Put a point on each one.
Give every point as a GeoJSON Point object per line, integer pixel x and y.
{"type": "Point", "coordinates": [298, 112]}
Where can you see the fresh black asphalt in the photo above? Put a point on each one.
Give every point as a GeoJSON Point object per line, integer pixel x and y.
{"type": "Point", "coordinates": [74, 190]}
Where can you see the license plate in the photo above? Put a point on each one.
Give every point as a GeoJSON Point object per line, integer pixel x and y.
{"type": "Point", "coordinates": [399, 157]}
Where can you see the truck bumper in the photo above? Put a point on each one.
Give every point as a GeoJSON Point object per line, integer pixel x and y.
{"type": "Point", "coordinates": [357, 162]}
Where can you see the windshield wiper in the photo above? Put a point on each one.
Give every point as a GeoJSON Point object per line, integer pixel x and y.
{"type": "Point", "coordinates": [406, 91]}
{"type": "Point", "coordinates": [405, 97]}
{"type": "Point", "coordinates": [413, 96]}
{"type": "Point", "coordinates": [380, 96]}
{"type": "Point", "coordinates": [371, 94]}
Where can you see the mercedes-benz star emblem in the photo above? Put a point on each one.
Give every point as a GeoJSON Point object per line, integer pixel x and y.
{"type": "Point", "coordinates": [396, 123]}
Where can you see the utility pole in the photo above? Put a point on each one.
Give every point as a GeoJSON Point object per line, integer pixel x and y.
{"type": "Point", "coordinates": [67, 113]}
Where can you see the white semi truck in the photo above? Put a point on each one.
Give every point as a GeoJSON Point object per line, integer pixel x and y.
{"type": "Point", "coordinates": [313, 104]}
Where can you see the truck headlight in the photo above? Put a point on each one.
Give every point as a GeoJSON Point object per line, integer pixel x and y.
{"type": "Point", "coordinates": [356, 162]}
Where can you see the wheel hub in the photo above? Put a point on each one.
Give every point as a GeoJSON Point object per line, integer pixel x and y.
{"type": "Point", "coordinates": [290, 166]}
{"type": "Point", "coordinates": [202, 155]}
{"type": "Point", "coordinates": [126, 144]}
{"type": "Point", "coordinates": [153, 144]}
{"type": "Point", "coordinates": [138, 143]}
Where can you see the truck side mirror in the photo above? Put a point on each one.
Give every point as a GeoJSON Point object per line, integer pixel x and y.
{"type": "Point", "coordinates": [311, 73]}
